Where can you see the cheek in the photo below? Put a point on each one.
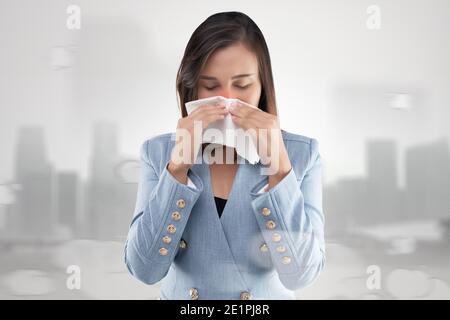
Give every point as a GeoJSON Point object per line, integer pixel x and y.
{"type": "Point", "coordinates": [202, 93]}
{"type": "Point", "coordinates": [252, 96]}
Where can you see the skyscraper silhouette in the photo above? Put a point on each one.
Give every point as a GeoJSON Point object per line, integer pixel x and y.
{"type": "Point", "coordinates": [383, 203]}
{"type": "Point", "coordinates": [33, 211]}
{"type": "Point", "coordinates": [109, 201]}
{"type": "Point", "coordinates": [428, 180]}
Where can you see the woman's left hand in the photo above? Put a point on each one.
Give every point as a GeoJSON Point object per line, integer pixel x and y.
{"type": "Point", "coordinates": [265, 130]}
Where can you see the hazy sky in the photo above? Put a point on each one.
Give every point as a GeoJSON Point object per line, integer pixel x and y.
{"type": "Point", "coordinates": [336, 80]}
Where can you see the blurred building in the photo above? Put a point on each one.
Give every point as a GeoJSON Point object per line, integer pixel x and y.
{"type": "Point", "coordinates": [51, 205]}
{"type": "Point", "coordinates": [382, 197]}
{"type": "Point", "coordinates": [377, 199]}
{"type": "Point", "coordinates": [68, 199]}
{"type": "Point", "coordinates": [428, 180]}
{"type": "Point", "coordinates": [109, 202]}
{"type": "Point", "coordinates": [32, 215]}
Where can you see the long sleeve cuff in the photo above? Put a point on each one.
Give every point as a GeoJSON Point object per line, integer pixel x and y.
{"type": "Point", "coordinates": [292, 229]}
{"type": "Point", "coordinates": [272, 224]}
{"type": "Point", "coordinates": [158, 231]}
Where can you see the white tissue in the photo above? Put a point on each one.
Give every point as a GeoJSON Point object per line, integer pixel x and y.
{"type": "Point", "coordinates": [229, 135]}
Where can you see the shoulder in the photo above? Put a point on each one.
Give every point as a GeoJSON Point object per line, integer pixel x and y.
{"type": "Point", "coordinates": [298, 141]}
{"type": "Point", "coordinates": [301, 148]}
{"type": "Point", "coordinates": [159, 140]}
{"type": "Point", "coordinates": [154, 150]}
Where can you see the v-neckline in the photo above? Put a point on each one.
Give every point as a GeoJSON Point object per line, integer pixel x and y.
{"type": "Point", "coordinates": [230, 194]}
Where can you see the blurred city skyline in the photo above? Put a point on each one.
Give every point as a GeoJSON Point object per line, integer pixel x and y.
{"type": "Point", "coordinates": [76, 105]}
{"type": "Point", "coordinates": [51, 210]}
{"type": "Point", "coordinates": [341, 86]}
{"type": "Point", "coordinates": [43, 198]}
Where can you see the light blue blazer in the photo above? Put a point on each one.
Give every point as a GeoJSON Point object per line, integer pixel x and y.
{"type": "Point", "coordinates": [264, 246]}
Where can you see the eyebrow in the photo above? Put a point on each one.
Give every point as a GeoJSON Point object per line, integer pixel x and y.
{"type": "Point", "coordinates": [233, 77]}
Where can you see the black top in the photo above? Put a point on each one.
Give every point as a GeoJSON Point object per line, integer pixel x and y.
{"type": "Point", "coordinates": [220, 204]}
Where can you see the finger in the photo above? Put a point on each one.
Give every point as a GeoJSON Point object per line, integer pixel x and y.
{"type": "Point", "coordinates": [239, 121]}
{"type": "Point", "coordinates": [246, 123]}
{"type": "Point", "coordinates": [243, 103]}
{"type": "Point", "coordinates": [213, 118]}
{"type": "Point", "coordinates": [241, 110]}
{"type": "Point", "coordinates": [213, 112]}
{"type": "Point", "coordinates": [218, 109]}
{"type": "Point", "coordinates": [206, 109]}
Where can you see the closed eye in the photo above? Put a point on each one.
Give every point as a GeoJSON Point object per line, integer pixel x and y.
{"type": "Point", "coordinates": [239, 87]}
{"type": "Point", "coordinates": [243, 87]}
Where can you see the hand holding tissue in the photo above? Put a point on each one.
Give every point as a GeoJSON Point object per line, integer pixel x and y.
{"type": "Point", "coordinates": [225, 131]}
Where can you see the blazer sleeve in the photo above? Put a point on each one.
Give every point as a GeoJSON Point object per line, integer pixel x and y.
{"type": "Point", "coordinates": [163, 206]}
{"type": "Point", "coordinates": [291, 219]}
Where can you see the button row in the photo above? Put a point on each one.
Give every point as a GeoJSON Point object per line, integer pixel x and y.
{"type": "Point", "coordinates": [194, 294]}
{"type": "Point", "coordinates": [276, 237]}
{"type": "Point", "coordinates": [172, 229]}
{"type": "Point", "coordinates": [265, 248]}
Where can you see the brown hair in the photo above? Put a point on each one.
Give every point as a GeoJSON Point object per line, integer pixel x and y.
{"type": "Point", "coordinates": [219, 31]}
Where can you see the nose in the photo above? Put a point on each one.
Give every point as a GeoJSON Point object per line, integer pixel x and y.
{"type": "Point", "coordinates": [226, 93]}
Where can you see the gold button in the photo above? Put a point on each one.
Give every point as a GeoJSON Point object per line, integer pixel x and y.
{"type": "Point", "coordinates": [171, 228]}
{"type": "Point", "coordinates": [270, 224]}
{"type": "Point", "coordinates": [264, 247]}
{"type": "Point", "coordinates": [193, 292]}
{"type": "Point", "coordinates": [181, 203]}
{"type": "Point", "coordinates": [183, 244]}
{"type": "Point", "coordinates": [281, 248]}
{"type": "Point", "coordinates": [265, 211]}
{"type": "Point", "coordinates": [176, 215]}
{"type": "Point", "coordinates": [286, 260]}
{"type": "Point", "coordinates": [245, 295]}
{"type": "Point", "coordinates": [276, 237]}
{"type": "Point", "coordinates": [167, 239]}
{"type": "Point", "coordinates": [163, 251]}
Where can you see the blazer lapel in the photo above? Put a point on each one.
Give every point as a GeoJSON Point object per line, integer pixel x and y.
{"type": "Point", "coordinates": [237, 223]}
{"type": "Point", "coordinates": [209, 216]}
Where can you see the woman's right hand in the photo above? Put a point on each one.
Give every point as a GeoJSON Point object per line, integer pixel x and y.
{"type": "Point", "coordinates": [187, 145]}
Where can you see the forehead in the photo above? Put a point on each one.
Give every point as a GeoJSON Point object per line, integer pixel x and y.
{"type": "Point", "coordinates": [231, 60]}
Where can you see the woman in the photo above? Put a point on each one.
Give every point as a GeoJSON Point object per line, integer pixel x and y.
{"type": "Point", "coordinates": [269, 239]}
